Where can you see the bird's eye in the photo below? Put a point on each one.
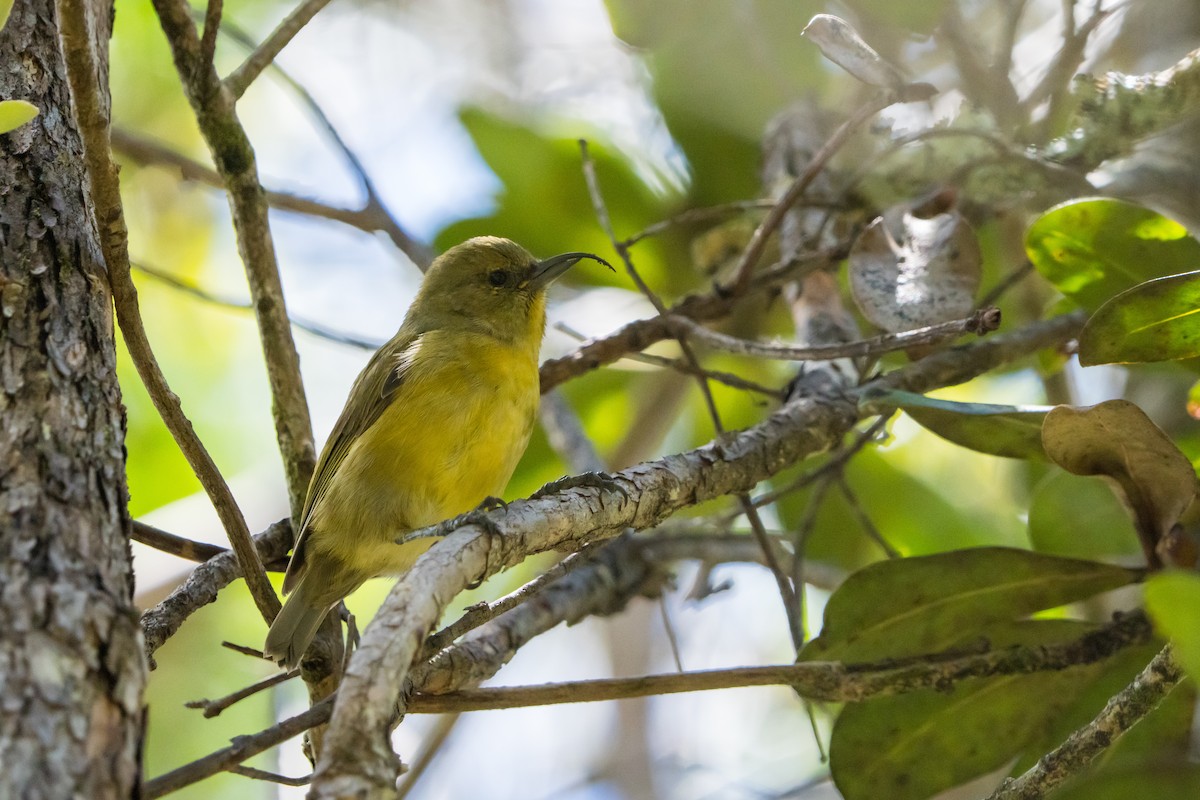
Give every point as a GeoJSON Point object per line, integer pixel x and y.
{"type": "Point", "coordinates": [497, 277]}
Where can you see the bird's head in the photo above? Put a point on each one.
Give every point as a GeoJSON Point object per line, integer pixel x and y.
{"type": "Point", "coordinates": [490, 284]}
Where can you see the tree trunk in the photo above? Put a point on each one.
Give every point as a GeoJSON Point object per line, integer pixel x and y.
{"type": "Point", "coordinates": [71, 664]}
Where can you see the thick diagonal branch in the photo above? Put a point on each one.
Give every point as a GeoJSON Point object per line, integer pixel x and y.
{"type": "Point", "coordinates": [358, 760]}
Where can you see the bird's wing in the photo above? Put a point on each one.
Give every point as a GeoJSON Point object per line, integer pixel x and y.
{"type": "Point", "coordinates": [372, 393]}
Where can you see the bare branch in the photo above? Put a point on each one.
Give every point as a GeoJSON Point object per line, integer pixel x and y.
{"type": "Point", "coordinates": [981, 322]}
{"type": "Point", "coordinates": [92, 114]}
{"type": "Point", "coordinates": [816, 680]}
{"type": "Point", "coordinates": [1123, 711]}
{"type": "Point", "coordinates": [212, 25]}
{"type": "Point", "coordinates": [175, 545]}
{"type": "Point", "coordinates": [163, 620]}
{"type": "Point", "coordinates": [758, 242]}
{"type": "Point", "coordinates": [373, 206]}
{"type": "Point", "coordinates": [368, 219]}
{"type": "Point", "coordinates": [241, 78]}
{"type": "Point", "coordinates": [640, 334]}
{"type": "Point", "coordinates": [234, 159]}
{"type": "Point", "coordinates": [213, 708]}
{"type": "Point", "coordinates": [314, 328]}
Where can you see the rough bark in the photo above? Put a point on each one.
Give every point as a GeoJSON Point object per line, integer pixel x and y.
{"type": "Point", "coordinates": [72, 666]}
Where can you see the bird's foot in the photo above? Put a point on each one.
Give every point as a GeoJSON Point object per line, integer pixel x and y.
{"type": "Point", "coordinates": [477, 516]}
{"type": "Point", "coordinates": [585, 480]}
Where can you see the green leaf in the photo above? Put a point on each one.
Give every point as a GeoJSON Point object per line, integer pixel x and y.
{"type": "Point", "coordinates": [1117, 439]}
{"type": "Point", "coordinates": [1173, 600]}
{"type": "Point", "coordinates": [1094, 249]}
{"type": "Point", "coordinates": [1152, 779]}
{"type": "Point", "coordinates": [15, 113]}
{"type": "Point", "coordinates": [1079, 517]}
{"type": "Point", "coordinates": [911, 606]}
{"type": "Point", "coordinates": [544, 172]}
{"type": "Point", "coordinates": [914, 745]}
{"type": "Point", "coordinates": [1158, 320]}
{"type": "Point", "coordinates": [998, 430]}
{"type": "Point", "coordinates": [927, 522]}
{"type": "Point", "coordinates": [5, 10]}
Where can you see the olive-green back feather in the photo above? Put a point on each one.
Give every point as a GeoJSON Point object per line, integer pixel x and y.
{"type": "Point", "coordinates": [371, 394]}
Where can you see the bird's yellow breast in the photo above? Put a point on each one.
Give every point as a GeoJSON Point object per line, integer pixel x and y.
{"type": "Point", "coordinates": [452, 436]}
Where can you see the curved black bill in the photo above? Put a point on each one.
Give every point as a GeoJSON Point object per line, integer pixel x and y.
{"type": "Point", "coordinates": [547, 270]}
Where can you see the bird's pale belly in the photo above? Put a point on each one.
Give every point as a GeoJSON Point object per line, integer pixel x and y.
{"type": "Point", "coordinates": [434, 453]}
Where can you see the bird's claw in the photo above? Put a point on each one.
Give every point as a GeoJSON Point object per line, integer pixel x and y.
{"type": "Point", "coordinates": [585, 480]}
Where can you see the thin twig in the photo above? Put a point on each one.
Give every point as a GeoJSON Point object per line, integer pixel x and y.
{"type": "Point", "coordinates": [726, 378]}
{"type": "Point", "coordinates": [147, 152]}
{"type": "Point", "coordinates": [864, 519]}
{"type": "Point", "coordinates": [786, 590]}
{"type": "Point", "coordinates": [602, 216]}
{"type": "Point", "coordinates": [241, 78]}
{"type": "Point", "coordinates": [300, 323]}
{"type": "Point", "coordinates": [981, 322]}
{"type": "Point", "coordinates": [201, 587]}
{"type": "Point", "coordinates": [1126, 709]}
{"type": "Point", "coordinates": [373, 209]}
{"type": "Point", "coordinates": [692, 216]}
{"type": "Point", "coordinates": [114, 236]}
{"type": "Point", "coordinates": [480, 613]}
{"type": "Point", "coordinates": [803, 532]}
{"type": "Point", "coordinates": [270, 777]}
{"type": "Point", "coordinates": [234, 158]}
{"type": "Point", "coordinates": [253, 652]}
{"type": "Point", "coordinates": [669, 628]}
{"type": "Point", "coordinates": [1007, 282]}
{"type": "Point", "coordinates": [212, 25]}
{"type": "Point", "coordinates": [430, 748]}
{"type": "Point", "coordinates": [640, 334]}
{"type": "Point", "coordinates": [758, 241]}
{"type": "Point", "coordinates": [213, 708]}
{"type": "Point", "coordinates": [242, 748]}
{"type": "Point", "coordinates": [835, 463]}
{"type": "Point", "coordinates": [172, 544]}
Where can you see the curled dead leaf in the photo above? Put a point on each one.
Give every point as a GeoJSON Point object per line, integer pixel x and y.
{"type": "Point", "coordinates": [1117, 440]}
{"type": "Point", "coordinates": [908, 271]}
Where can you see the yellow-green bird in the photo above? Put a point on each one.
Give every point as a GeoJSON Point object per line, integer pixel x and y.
{"type": "Point", "coordinates": [434, 425]}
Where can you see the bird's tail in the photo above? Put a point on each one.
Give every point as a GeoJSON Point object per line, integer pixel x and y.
{"type": "Point", "coordinates": [295, 626]}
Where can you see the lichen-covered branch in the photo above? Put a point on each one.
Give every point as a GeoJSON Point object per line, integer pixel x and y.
{"type": "Point", "coordinates": [1126, 709]}
{"type": "Point", "coordinates": [358, 760]}
{"type": "Point", "coordinates": [1117, 111]}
